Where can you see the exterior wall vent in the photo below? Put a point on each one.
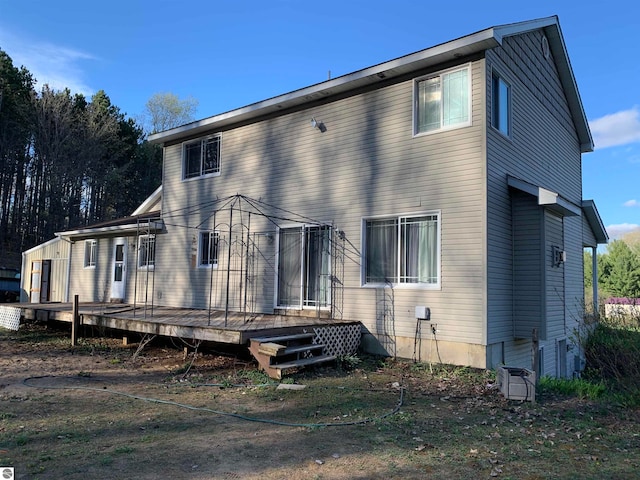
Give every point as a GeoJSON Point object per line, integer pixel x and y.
{"type": "Point", "coordinates": [545, 47]}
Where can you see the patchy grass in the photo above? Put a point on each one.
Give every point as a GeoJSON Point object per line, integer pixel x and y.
{"type": "Point", "coordinates": [577, 387]}
{"type": "Point", "coordinates": [226, 420]}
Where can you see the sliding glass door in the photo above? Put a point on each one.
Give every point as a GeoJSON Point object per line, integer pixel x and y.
{"type": "Point", "coordinates": [304, 265]}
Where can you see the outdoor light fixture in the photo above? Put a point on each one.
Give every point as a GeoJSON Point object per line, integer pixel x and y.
{"type": "Point", "coordinates": [318, 124]}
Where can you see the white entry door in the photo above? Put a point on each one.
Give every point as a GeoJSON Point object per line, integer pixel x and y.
{"type": "Point", "coordinates": [119, 269]}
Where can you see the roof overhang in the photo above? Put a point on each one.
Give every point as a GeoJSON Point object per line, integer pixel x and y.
{"type": "Point", "coordinates": [149, 202]}
{"type": "Point", "coordinates": [122, 229]}
{"type": "Point", "coordinates": [446, 52]}
{"type": "Point", "coordinates": [37, 247]}
{"type": "Point", "coordinates": [462, 47]}
{"type": "Point", "coordinates": [546, 198]}
{"type": "Point", "coordinates": [595, 222]}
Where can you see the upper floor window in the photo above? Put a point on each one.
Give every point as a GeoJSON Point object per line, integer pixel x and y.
{"type": "Point", "coordinates": [90, 253]}
{"type": "Point", "coordinates": [201, 157]}
{"type": "Point", "coordinates": [402, 250]}
{"type": "Point", "coordinates": [147, 251]}
{"type": "Point", "coordinates": [443, 101]}
{"type": "Point", "coordinates": [208, 249]}
{"type": "Point", "coordinates": [500, 104]}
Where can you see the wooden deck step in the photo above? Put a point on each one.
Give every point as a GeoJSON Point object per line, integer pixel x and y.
{"type": "Point", "coordinates": [279, 353]}
{"type": "Point", "coordinates": [303, 362]}
{"type": "Point", "coordinates": [284, 338]}
{"type": "Point", "coordinates": [270, 348]}
{"type": "Point", "coordinates": [301, 349]}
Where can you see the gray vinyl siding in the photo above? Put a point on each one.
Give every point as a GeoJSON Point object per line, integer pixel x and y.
{"type": "Point", "coordinates": [367, 163]}
{"type": "Point", "coordinates": [588, 238]}
{"type": "Point", "coordinates": [554, 319]}
{"type": "Point", "coordinates": [543, 143]}
{"type": "Point", "coordinates": [574, 287]}
{"type": "Point", "coordinates": [528, 275]}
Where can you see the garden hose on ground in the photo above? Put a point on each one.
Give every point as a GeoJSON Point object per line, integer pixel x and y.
{"type": "Point", "coordinates": [29, 383]}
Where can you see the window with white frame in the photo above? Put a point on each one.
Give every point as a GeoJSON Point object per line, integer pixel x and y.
{"type": "Point", "coordinates": [500, 104]}
{"type": "Point", "coordinates": [201, 157]}
{"type": "Point", "coordinates": [208, 249]}
{"type": "Point", "coordinates": [443, 101]}
{"type": "Point", "coordinates": [147, 251]}
{"type": "Point", "coordinates": [90, 253]}
{"type": "Point", "coordinates": [402, 250]}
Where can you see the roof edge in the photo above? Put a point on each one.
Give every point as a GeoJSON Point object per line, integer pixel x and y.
{"type": "Point", "coordinates": [595, 221]}
{"type": "Point", "coordinates": [150, 200]}
{"type": "Point", "coordinates": [462, 46]}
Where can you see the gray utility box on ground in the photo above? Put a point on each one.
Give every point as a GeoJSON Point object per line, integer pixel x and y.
{"type": "Point", "coordinates": [517, 383]}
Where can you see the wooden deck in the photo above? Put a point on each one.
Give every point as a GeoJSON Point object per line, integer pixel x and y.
{"type": "Point", "coordinates": [177, 322]}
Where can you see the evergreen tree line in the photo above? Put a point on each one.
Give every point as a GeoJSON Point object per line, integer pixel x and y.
{"type": "Point", "coordinates": [65, 162]}
{"type": "Point", "coordinates": [618, 268]}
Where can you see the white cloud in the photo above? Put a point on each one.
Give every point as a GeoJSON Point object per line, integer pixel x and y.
{"type": "Point", "coordinates": [616, 231]}
{"type": "Point", "coordinates": [616, 129]}
{"type": "Point", "coordinates": [55, 65]}
{"type": "Point", "coordinates": [631, 203]}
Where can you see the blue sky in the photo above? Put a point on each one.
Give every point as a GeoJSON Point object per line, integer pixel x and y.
{"type": "Point", "coordinates": [228, 54]}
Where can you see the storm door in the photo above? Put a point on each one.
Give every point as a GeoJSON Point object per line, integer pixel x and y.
{"type": "Point", "coordinates": [119, 268]}
{"type": "Point", "coordinates": [304, 267]}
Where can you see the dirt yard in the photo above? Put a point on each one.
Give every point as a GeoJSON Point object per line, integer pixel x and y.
{"type": "Point", "coordinates": [95, 411]}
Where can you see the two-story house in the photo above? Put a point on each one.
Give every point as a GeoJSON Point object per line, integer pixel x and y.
{"type": "Point", "coordinates": [436, 198]}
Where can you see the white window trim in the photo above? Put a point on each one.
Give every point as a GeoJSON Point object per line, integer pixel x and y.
{"type": "Point", "coordinates": [183, 158]}
{"type": "Point", "coordinates": [138, 258]}
{"type": "Point", "coordinates": [208, 265]}
{"type": "Point", "coordinates": [403, 286]}
{"type": "Point", "coordinates": [89, 244]}
{"type": "Point", "coordinates": [416, 81]}
{"type": "Point", "coordinates": [500, 76]}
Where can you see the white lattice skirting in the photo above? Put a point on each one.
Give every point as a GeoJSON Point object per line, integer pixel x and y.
{"type": "Point", "coordinates": [10, 317]}
{"type": "Point", "coordinates": [339, 340]}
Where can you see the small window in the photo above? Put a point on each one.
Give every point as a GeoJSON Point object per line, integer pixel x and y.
{"type": "Point", "coordinates": [201, 157]}
{"type": "Point", "coordinates": [208, 249]}
{"type": "Point", "coordinates": [500, 104]}
{"type": "Point", "coordinates": [90, 252]}
{"type": "Point", "coordinates": [443, 101]}
{"type": "Point", "coordinates": [402, 250]}
{"type": "Point", "coordinates": [147, 251]}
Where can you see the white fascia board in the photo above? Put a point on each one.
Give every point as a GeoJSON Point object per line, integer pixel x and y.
{"type": "Point", "coordinates": [460, 47]}
{"type": "Point", "coordinates": [131, 228]}
{"type": "Point", "coordinates": [41, 245]}
{"type": "Point", "coordinates": [151, 199]}
{"type": "Point", "coordinates": [546, 198]}
{"type": "Point", "coordinates": [519, 28]}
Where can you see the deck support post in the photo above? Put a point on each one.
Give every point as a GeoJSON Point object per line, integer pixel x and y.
{"type": "Point", "coordinates": [75, 322]}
